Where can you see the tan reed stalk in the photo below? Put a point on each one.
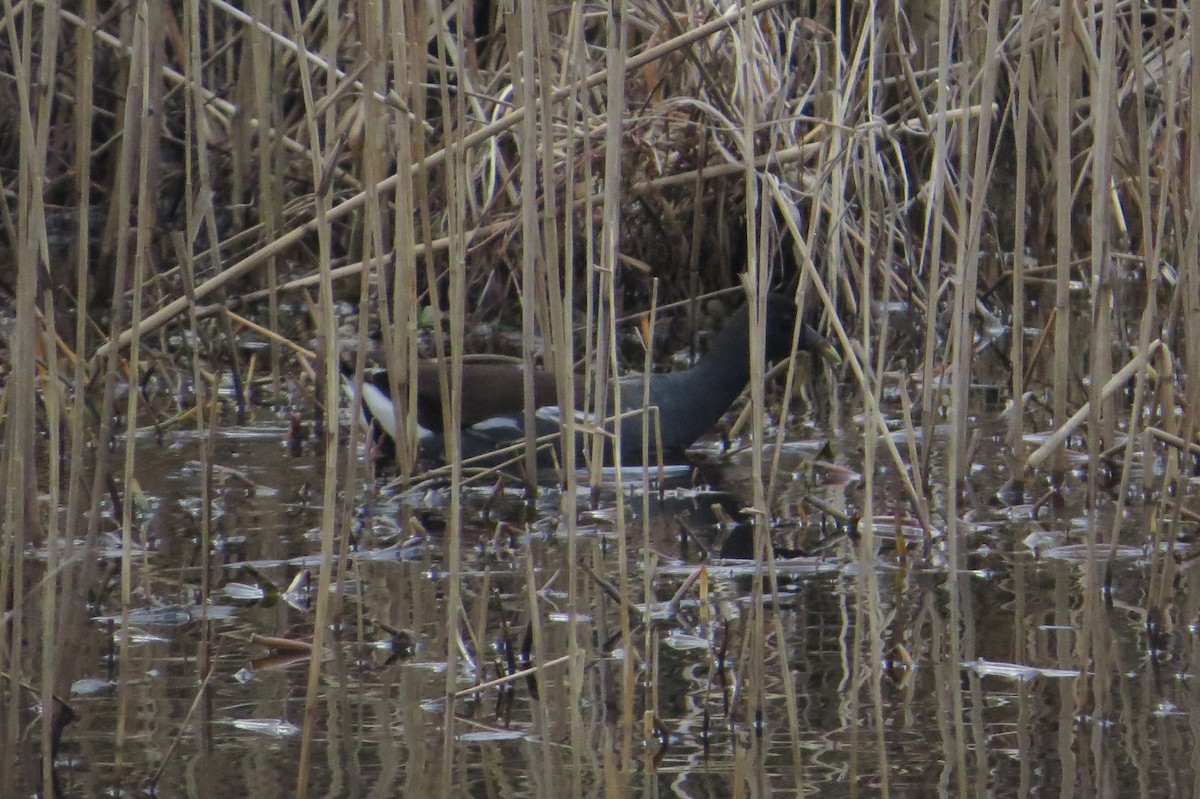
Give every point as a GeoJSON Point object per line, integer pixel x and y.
{"type": "Point", "coordinates": [454, 123]}
{"type": "Point", "coordinates": [198, 186]}
{"type": "Point", "coordinates": [614, 110]}
{"type": "Point", "coordinates": [554, 302]}
{"type": "Point", "coordinates": [137, 149]}
{"type": "Point", "coordinates": [354, 444]}
{"type": "Point", "coordinates": [1023, 101]}
{"type": "Point", "coordinates": [53, 614]}
{"type": "Point", "coordinates": [976, 144]}
{"type": "Point", "coordinates": [1092, 641]}
{"type": "Point", "coordinates": [652, 702]}
{"type": "Point", "coordinates": [564, 339]}
{"type": "Point", "coordinates": [65, 572]}
{"type": "Point", "coordinates": [1022, 139]}
{"type": "Point", "coordinates": [758, 277]}
{"type": "Point", "coordinates": [369, 146]}
{"type": "Point", "coordinates": [869, 637]}
{"type": "Point", "coordinates": [649, 420]}
{"type": "Point", "coordinates": [264, 101]}
{"type": "Point", "coordinates": [1153, 218]}
{"type": "Point", "coordinates": [958, 342]}
{"type": "Point", "coordinates": [80, 574]}
{"type": "Point", "coordinates": [399, 281]}
{"type": "Point", "coordinates": [100, 471]}
{"type": "Point", "coordinates": [1165, 221]}
{"type": "Point", "coordinates": [756, 282]}
{"type": "Point", "coordinates": [933, 234]}
{"type": "Point", "coordinates": [790, 212]}
{"type": "Point", "coordinates": [22, 514]}
{"type": "Point", "coordinates": [596, 357]}
{"type": "Point", "coordinates": [330, 377]}
{"type": "Point", "coordinates": [545, 761]}
{"type": "Point", "coordinates": [525, 79]}
{"type": "Point", "coordinates": [206, 429]}
{"type": "Point", "coordinates": [1167, 479]}
{"type": "Point", "coordinates": [874, 347]}
{"type": "Point", "coordinates": [449, 372]}
{"type": "Point", "coordinates": [1063, 179]}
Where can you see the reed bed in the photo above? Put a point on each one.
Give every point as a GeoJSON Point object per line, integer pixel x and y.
{"type": "Point", "coordinates": [181, 179]}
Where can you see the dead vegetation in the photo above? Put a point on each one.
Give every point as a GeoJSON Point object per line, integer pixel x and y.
{"type": "Point", "coordinates": [1015, 176]}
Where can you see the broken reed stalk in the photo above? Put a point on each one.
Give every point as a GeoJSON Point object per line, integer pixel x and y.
{"type": "Point", "coordinates": [1116, 383]}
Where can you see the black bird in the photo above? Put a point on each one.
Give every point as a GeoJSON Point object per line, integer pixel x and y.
{"type": "Point", "coordinates": [689, 401]}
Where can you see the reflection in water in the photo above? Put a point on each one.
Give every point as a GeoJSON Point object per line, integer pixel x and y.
{"type": "Point", "coordinates": [1006, 705]}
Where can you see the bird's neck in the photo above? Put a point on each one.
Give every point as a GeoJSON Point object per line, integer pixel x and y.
{"type": "Point", "coordinates": [727, 362]}
{"type": "Point", "coordinates": [716, 380]}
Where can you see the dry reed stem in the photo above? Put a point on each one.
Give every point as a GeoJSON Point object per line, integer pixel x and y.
{"type": "Point", "coordinates": [331, 391]}
{"type": "Point", "coordinates": [1115, 383]}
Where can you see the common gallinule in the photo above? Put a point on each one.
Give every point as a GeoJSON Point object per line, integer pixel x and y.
{"type": "Point", "coordinates": [689, 401]}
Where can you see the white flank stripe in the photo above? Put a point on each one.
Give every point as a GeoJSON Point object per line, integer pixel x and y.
{"type": "Point", "coordinates": [497, 424]}
{"type": "Point", "coordinates": [381, 408]}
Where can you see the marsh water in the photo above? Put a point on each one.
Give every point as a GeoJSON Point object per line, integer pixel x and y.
{"type": "Point", "coordinates": [965, 682]}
